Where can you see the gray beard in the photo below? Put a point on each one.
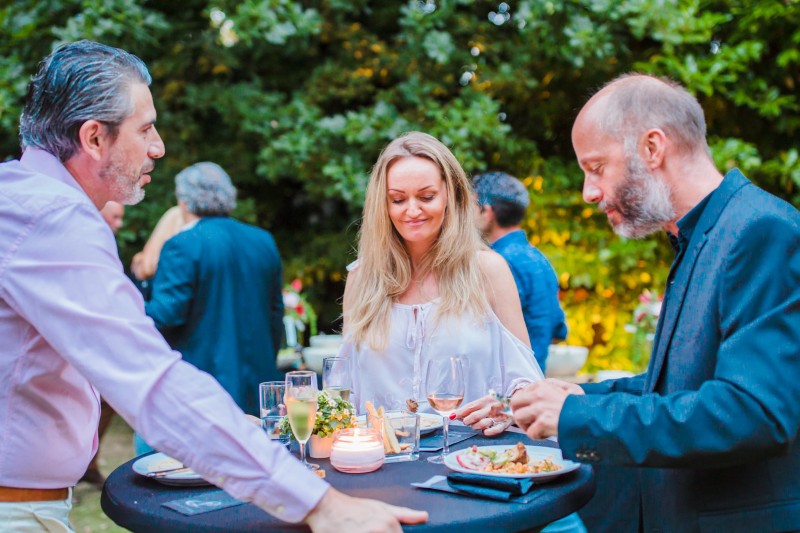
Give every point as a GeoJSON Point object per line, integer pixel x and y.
{"type": "Point", "coordinates": [643, 200]}
{"type": "Point", "coordinates": [124, 190]}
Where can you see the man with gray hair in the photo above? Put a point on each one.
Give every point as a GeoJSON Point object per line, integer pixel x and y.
{"type": "Point", "coordinates": [72, 324]}
{"type": "Point", "coordinates": [502, 202]}
{"type": "Point", "coordinates": [217, 291]}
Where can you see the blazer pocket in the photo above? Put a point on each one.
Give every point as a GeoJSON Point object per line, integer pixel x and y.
{"type": "Point", "coordinates": [773, 517]}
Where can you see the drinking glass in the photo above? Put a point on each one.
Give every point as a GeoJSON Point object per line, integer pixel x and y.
{"type": "Point", "coordinates": [444, 387]}
{"type": "Point", "coordinates": [273, 409]}
{"type": "Point", "coordinates": [301, 407]}
{"type": "Point", "coordinates": [336, 377]}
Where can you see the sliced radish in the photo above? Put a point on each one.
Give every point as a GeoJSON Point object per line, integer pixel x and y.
{"type": "Point", "coordinates": [472, 461]}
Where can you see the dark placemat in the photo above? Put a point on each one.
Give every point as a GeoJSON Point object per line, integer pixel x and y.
{"type": "Point", "coordinates": [433, 443]}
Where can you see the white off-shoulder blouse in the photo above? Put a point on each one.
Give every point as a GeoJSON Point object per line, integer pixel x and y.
{"type": "Point", "coordinates": [496, 359]}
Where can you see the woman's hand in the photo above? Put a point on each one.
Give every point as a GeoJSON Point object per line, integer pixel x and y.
{"type": "Point", "coordinates": [485, 414]}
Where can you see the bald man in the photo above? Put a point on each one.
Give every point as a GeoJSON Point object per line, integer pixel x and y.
{"type": "Point", "coordinates": [711, 428]}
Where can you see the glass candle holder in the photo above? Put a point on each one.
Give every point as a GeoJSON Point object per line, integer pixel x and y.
{"type": "Point", "coordinates": [357, 450]}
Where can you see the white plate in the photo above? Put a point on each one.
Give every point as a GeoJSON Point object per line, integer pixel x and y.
{"type": "Point", "coordinates": [162, 461]}
{"type": "Point", "coordinates": [535, 453]}
{"type": "Point", "coordinates": [428, 422]}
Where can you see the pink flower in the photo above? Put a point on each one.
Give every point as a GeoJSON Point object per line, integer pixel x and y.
{"type": "Point", "coordinates": [297, 285]}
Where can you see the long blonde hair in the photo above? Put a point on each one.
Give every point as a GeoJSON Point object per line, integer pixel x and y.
{"type": "Point", "coordinates": [385, 269]}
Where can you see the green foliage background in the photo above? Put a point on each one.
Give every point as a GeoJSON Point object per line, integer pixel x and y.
{"type": "Point", "coordinates": [296, 99]}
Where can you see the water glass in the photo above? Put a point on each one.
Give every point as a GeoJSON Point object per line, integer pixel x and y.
{"type": "Point", "coordinates": [273, 409]}
{"type": "Point", "coordinates": [402, 444]}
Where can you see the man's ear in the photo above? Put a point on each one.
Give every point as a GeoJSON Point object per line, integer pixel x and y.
{"type": "Point", "coordinates": [94, 139]}
{"type": "Point", "coordinates": [654, 146]}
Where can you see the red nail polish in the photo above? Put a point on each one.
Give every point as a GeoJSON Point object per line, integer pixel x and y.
{"type": "Point", "coordinates": [452, 416]}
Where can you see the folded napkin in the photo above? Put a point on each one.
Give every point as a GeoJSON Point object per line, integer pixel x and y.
{"type": "Point", "coordinates": [203, 503]}
{"type": "Point", "coordinates": [495, 488]}
{"type": "Point", "coordinates": [486, 487]}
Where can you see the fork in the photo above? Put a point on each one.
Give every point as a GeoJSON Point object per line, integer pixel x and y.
{"type": "Point", "coordinates": [161, 473]}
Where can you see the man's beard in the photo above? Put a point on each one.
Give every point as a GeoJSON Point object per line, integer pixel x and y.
{"type": "Point", "coordinates": [643, 201]}
{"type": "Point", "coordinates": [124, 182]}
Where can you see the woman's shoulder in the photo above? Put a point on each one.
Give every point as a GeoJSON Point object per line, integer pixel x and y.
{"type": "Point", "coordinates": [491, 262]}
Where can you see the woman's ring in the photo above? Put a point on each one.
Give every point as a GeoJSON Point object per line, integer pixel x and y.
{"type": "Point", "coordinates": [493, 422]}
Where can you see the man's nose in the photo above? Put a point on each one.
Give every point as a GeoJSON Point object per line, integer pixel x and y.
{"type": "Point", "coordinates": [591, 192]}
{"type": "Point", "coordinates": [157, 148]}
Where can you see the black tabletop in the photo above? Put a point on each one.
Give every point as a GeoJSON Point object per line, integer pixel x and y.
{"type": "Point", "coordinates": [135, 502]}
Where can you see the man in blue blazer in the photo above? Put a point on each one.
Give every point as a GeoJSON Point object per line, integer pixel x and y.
{"type": "Point", "coordinates": [712, 426]}
{"type": "Point", "coordinates": [217, 291]}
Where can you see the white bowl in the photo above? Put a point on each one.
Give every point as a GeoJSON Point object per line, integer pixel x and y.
{"type": "Point", "coordinates": [318, 341]}
{"type": "Point", "coordinates": [313, 356]}
{"type": "Point", "coordinates": [603, 375]}
{"type": "Point", "coordinates": [565, 360]}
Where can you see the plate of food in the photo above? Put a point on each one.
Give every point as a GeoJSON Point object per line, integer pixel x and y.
{"type": "Point", "coordinates": [428, 422]}
{"type": "Point", "coordinates": [538, 463]}
{"type": "Point", "coordinates": [164, 469]}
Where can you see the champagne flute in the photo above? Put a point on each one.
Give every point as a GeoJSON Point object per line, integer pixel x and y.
{"type": "Point", "coordinates": [301, 408]}
{"type": "Point", "coordinates": [444, 387]}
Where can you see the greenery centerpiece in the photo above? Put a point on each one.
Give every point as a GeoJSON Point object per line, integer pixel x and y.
{"type": "Point", "coordinates": [332, 413]}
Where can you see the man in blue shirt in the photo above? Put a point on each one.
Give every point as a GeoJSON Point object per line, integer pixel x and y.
{"type": "Point", "coordinates": [502, 200]}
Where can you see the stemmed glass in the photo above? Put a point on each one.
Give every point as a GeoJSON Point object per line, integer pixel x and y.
{"type": "Point", "coordinates": [336, 377]}
{"type": "Point", "coordinates": [301, 408]}
{"type": "Point", "coordinates": [444, 387]}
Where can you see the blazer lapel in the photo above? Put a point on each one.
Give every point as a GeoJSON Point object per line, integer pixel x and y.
{"type": "Point", "coordinates": [675, 294]}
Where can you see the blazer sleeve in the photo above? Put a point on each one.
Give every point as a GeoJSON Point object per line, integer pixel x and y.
{"type": "Point", "coordinates": [174, 286]}
{"type": "Point", "coordinates": [276, 308]}
{"type": "Point", "coordinates": [631, 385]}
{"type": "Point", "coordinates": [750, 409]}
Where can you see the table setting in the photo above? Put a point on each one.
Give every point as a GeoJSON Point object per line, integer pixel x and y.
{"type": "Point", "coordinates": [508, 482]}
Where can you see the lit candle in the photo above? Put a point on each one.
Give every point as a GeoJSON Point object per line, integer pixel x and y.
{"type": "Point", "coordinates": [357, 450]}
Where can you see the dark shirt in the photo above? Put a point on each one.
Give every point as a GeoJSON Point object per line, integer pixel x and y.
{"type": "Point", "coordinates": [538, 291]}
{"type": "Point", "coordinates": [680, 243]}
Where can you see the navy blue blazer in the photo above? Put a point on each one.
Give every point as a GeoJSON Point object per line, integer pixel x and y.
{"type": "Point", "coordinates": [217, 300]}
{"type": "Point", "coordinates": [713, 424]}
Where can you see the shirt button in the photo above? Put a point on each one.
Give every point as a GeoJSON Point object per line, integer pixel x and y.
{"type": "Point", "coordinates": [279, 509]}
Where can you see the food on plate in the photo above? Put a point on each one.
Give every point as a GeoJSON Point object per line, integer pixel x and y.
{"type": "Point", "coordinates": [427, 422]}
{"type": "Point", "coordinates": [513, 460]}
{"type": "Point", "coordinates": [412, 405]}
{"type": "Point", "coordinates": [166, 464]}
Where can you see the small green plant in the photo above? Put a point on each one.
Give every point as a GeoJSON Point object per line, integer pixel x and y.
{"type": "Point", "coordinates": [332, 413]}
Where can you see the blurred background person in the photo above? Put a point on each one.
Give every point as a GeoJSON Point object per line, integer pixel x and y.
{"type": "Point", "coordinates": [502, 202]}
{"type": "Point", "coordinates": [426, 287]}
{"type": "Point", "coordinates": [145, 263]}
{"type": "Point", "coordinates": [217, 289]}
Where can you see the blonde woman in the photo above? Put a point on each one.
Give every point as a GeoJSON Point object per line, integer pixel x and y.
{"type": "Point", "coordinates": [425, 286]}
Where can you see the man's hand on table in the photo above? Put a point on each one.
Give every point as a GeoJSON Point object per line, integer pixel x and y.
{"type": "Point", "coordinates": [337, 512]}
{"type": "Point", "coordinates": [537, 407]}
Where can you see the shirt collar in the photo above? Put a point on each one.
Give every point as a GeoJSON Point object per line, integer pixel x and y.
{"type": "Point", "coordinates": [688, 223]}
{"type": "Point", "coordinates": [46, 163]}
{"type": "Point", "coordinates": [516, 236]}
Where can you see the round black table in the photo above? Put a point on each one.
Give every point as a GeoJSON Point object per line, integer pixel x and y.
{"type": "Point", "coordinates": [134, 502]}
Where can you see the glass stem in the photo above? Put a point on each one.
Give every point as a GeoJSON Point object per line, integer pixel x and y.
{"type": "Point", "coordinates": [303, 452]}
{"type": "Point", "coordinates": [445, 429]}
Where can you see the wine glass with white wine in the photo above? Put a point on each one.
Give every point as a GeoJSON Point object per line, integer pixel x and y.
{"type": "Point", "coordinates": [444, 387]}
{"type": "Point", "coordinates": [301, 408]}
{"type": "Point", "coordinates": [336, 377]}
